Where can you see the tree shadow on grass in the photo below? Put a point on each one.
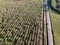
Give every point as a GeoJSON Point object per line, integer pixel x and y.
{"type": "Point", "coordinates": [52, 8]}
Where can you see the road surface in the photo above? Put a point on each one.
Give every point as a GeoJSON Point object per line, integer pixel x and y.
{"type": "Point", "coordinates": [49, 31]}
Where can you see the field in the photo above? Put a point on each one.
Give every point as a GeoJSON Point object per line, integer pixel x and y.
{"type": "Point", "coordinates": [55, 19]}
{"type": "Point", "coordinates": [20, 22]}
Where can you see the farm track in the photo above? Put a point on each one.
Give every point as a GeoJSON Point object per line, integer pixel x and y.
{"type": "Point", "coordinates": [48, 24]}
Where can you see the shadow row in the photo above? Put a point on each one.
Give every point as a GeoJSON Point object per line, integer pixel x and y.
{"type": "Point", "coordinates": [52, 8]}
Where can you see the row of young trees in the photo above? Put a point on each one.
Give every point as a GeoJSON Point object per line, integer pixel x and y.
{"type": "Point", "coordinates": [21, 24]}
